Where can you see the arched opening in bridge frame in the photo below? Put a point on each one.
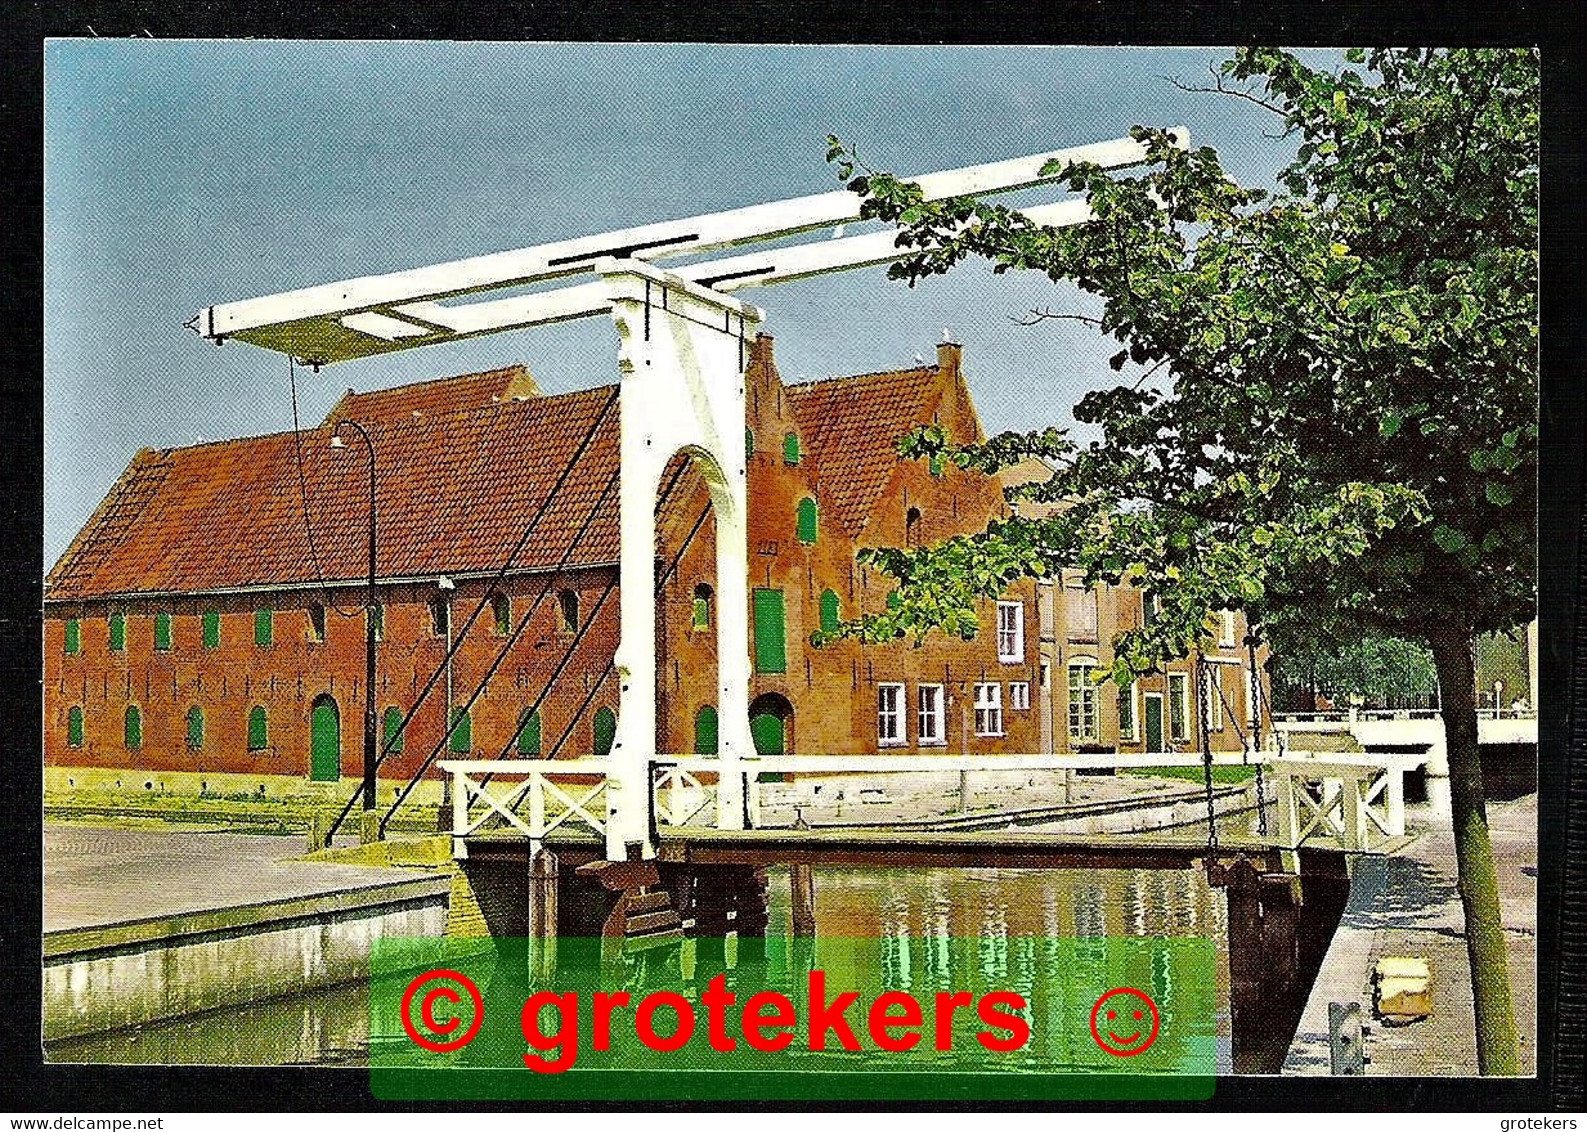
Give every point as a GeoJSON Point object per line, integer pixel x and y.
{"type": "Point", "coordinates": [686, 611]}
{"type": "Point", "coordinates": [325, 740]}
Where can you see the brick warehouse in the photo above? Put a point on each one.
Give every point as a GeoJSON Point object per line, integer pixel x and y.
{"type": "Point", "coordinates": [197, 624]}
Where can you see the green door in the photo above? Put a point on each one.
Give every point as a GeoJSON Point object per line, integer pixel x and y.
{"type": "Point", "coordinates": [1154, 724]}
{"type": "Point", "coordinates": [325, 741]}
{"type": "Point", "coordinates": [766, 730]}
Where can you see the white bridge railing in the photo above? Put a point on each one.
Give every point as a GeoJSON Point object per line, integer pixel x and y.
{"type": "Point", "coordinates": [1352, 803]}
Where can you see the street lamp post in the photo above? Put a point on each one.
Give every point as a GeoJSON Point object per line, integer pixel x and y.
{"type": "Point", "coordinates": [369, 829]}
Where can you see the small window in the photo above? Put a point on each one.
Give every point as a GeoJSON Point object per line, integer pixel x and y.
{"type": "Point", "coordinates": [1226, 638]}
{"type": "Point", "coordinates": [890, 715]}
{"type": "Point", "coordinates": [1010, 632]}
{"type": "Point", "coordinates": [929, 727]}
{"type": "Point", "coordinates": [1019, 695]}
{"type": "Point", "coordinates": [74, 726]}
{"type": "Point", "coordinates": [1212, 697]}
{"type": "Point", "coordinates": [1178, 706]}
{"type": "Point", "coordinates": [258, 728]}
{"type": "Point", "coordinates": [134, 727]}
{"type": "Point", "coordinates": [211, 629]}
{"type": "Point", "coordinates": [440, 616]}
{"type": "Point", "coordinates": [831, 612]}
{"type": "Point", "coordinates": [162, 631]}
{"type": "Point", "coordinates": [912, 527]}
{"type": "Point", "coordinates": [118, 632]}
{"type": "Point", "coordinates": [264, 627]}
{"type": "Point", "coordinates": [705, 731]}
{"type": "Point", "coordinates": [604, 731]}
{"type": "Point", "coordinates": [529, 734]}
{"type": "Point", "coordinates": [1080, 611]}
{"type": "Point", "coordinates": [379, 614]}
{"type": "Point", "coordinates": [195, 728]}
{"type": "Point", "coordinates": [1127, 714]}
{"type": "Point", "coordinates": [316, 622]}
{"type": "Point", "coordinates": [501, 613]}
{"type": "Point", "coordinates": [74, 636]}
{"type": "Point", "coordinates": [700, 612]}
{"type": "Point", "coordinates": [807, 520]}
{"type": "Point", "coordinates": [462, 733]}
{"type": "Point", "coordinates": [393, 734]}
{"type": "Point", "coordinates": [989, 709]}
{"type": "Point", "coordinates": [1082, 701]}
{"type": "Point", "coordinates": [1151, 606]}
{"type": "Point", "coordinates": [567, 611]}
{"type": "Point", "coordinates": [790, 448]}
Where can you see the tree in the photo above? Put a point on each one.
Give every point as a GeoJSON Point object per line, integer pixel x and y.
{"type": "Point", "coordinates": [1384, 671]}
{"type": "Point", "coordinates": [1337, 428]}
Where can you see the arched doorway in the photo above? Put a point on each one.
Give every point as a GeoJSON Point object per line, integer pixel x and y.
{"type": "Point", "coordinates": [325, 741]}
{"type": "Point", "coordinates": [771, 724]}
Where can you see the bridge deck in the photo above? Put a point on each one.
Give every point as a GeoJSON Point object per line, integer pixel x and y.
{"type": "Point", "coordinates": [885, 848]}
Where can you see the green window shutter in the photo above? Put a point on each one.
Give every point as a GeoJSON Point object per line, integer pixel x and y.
{"type": "Point", "coordinates": [770, 635]}
{"type": "Point", "coordinates": [749, 443]}
{"type": "Point", "coordinates": [705, 731]}
{"type": "Point", "coordinates": [74, 636]}
{"type": "Point", "coordinates": [790, 448]}
{"type": "Point", "coordinates": [74, 727]}
{"type": "Point", "coordinates": [211, 629]}
{"type": "Point", "coordinates": [830, 612]}
{"type": "Point", "coordinates": [195, 728]}
{"type": "Point", "coordinates": [529, 735]}
{"type": "Point", "coordinates": [501, 610]}
{"type": "Point", "coordinates": [394, 735]}
{"type": "Point", "coordinates": [162, 631]}
{"type": "Point", "coordinates": [134, 731]}
{"type": "Point", "coordinates": [605, 731]}
{"type": "Point", "coordinates": [263, 627]}
{"type": "Point", "coordinates": [462, 732]}
{"type": "Point", "coordinates": [936, 465]}
{"type": "Point", "coordinates": [118, 633]}
{"type": "Point", "coordinates": [807, 520]}
{"type": "Point", "coordinates": [258, 729]}
{"type": "Point", "coordinates": [701, 616]}
{"type": "Point", "coordinates": [380, 622]}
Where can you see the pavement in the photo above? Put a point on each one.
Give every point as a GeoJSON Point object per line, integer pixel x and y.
{"type": "Point", "coordinates": [95, 877]}
{"type": "Point", "coordinates": [1407, 904]}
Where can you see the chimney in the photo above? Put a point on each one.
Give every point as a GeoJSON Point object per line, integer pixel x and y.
{"type": "Point", "coordinates": [949, 355]}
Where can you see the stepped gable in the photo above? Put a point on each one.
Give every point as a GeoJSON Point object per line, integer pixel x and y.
{"type": "Point", "coordinates": [456, 489]}
{"type": "Point", "coordinates": [852, 426]}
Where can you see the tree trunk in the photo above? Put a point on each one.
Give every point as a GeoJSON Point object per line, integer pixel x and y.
{"type": "Point", "coordinates": [1479, 888]}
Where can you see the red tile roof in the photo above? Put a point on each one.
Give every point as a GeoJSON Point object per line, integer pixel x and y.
{"type": "Point", "coordinates": [455, 492]}
{"type": "Point", "coordinates": [852, 425]}
{"type": "Point", "coordinates": [463, 466]}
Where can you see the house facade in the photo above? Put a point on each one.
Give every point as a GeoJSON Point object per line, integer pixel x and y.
{"type": "Point", "coordinates": [209, 618]}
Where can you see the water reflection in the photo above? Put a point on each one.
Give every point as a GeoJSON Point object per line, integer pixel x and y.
{"type": "Point", "coordinates": [1014, 915]}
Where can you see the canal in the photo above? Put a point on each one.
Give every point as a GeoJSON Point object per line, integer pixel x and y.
{"type": "Point", "coordinates": [331, 1027]}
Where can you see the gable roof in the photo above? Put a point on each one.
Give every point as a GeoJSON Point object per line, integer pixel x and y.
{"type": "Point", "coordinates": [455, 491]}
{"type": "Point", "coordinates": [852, 426]}
{"type": "Point", "coordinates": [442, 395]}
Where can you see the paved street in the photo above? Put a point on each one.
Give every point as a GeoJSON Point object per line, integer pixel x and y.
{"type": "Point", "coordinates": [98, 876]}
{"type": "Point", "coordinates": [1408, 905]}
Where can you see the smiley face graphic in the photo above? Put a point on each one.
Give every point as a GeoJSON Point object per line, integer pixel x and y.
{"type": "Point", "coordinates": [1125, 1022]}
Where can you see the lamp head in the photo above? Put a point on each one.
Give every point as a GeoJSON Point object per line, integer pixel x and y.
{"type": "Point", "coordinates": [338, 442]}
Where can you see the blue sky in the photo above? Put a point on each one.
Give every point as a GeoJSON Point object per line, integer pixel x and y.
{"type": "Point", "coordinates": [180, 174]}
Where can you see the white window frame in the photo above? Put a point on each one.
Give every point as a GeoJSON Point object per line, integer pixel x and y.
{"type": "Point", "coordinates": [931, 722]}
{"type": "Point", "coordinates": [1226, 629]}
{"type": "Point", "coordinates": [1178, 690]}
{"type": "Point", "coordinates": [1212, 696]}
{"type": "Point", "coordinates": [1132, 697]}
{"type": "Point", "coordinates": [1011, 637]}
{"type": "Point", "coordinates": [1019, 695]}
{"type": "Point", "coordinates": [989, 710]}
{"type": "Point", "coordinates": [893, 713]}
{"type": "Point", "coordinates": [1086, 704]}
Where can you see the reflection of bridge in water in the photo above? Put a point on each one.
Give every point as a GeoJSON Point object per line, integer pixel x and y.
{"type": "Point", "coordinates": [534, 839]}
